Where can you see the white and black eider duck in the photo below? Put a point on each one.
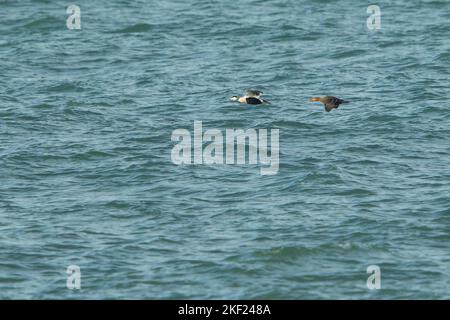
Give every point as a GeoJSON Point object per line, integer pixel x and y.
{"type": "Point", "coordinates": [251, 97]}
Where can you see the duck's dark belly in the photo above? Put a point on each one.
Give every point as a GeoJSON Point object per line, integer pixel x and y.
{"type": "Point", "coordinates": [252, 100]}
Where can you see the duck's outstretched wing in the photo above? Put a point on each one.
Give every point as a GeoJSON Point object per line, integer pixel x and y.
{"type": "Point", "coordinates": [253, 93]}
{"type": "Point", "coordinates": [332, 103]}
{"type": "Point", "coordinates": [329, 107]}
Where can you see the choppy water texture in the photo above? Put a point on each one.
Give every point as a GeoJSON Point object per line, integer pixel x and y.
{"type": "Point", "coordinates": [86, 176]}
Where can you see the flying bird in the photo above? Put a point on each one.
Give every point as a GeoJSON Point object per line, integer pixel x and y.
{"type": "Point", "coordinates": [250, 97]}
{"type": "Point", "coordinates": [329, 102]}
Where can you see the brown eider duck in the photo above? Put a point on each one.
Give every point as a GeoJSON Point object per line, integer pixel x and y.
{"type": "Point", "coordinates": [329, 102]}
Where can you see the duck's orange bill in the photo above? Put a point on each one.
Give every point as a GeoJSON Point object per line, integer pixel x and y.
{"type": "Point", "coordinates": [314, 99]}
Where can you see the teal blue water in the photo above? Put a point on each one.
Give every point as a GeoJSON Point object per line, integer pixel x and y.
{"type": "Point", "coordinates": [86, 176]}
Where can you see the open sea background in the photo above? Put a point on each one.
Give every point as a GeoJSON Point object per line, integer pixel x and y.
{"type": "Point", "coordinates": [86, 176]}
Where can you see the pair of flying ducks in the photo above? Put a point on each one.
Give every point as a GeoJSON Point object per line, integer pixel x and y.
{"type": "Point", "coordinates": [254, 97]}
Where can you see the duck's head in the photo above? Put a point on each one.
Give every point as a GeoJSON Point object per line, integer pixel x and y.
{"type": "Point", "coordinates": [234, 98]}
